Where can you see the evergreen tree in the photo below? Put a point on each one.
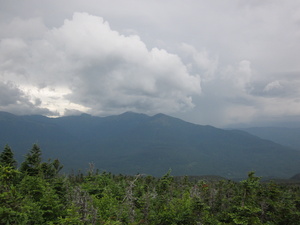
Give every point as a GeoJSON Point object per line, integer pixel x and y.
{"type": "Point", "coordinates": [51, 169]}
{"type": "Point", "coordinates": [10, 198]}
{"type": "Point", "coordinates": [32, 163]}
{"type": "Point", "coordinates": [7, 157]}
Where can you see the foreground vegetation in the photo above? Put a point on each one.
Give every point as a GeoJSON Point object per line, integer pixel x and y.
{"type": "Point", "coordinates": [35, 193]}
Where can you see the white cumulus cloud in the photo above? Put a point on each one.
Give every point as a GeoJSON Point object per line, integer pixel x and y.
{"type": "Point", "coordinates": [104, 71]}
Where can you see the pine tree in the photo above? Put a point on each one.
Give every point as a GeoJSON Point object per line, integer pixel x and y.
{"type": "Point", "coordinates": [7, 157]}
{"type": "Point", "coordinates": [32, 163]}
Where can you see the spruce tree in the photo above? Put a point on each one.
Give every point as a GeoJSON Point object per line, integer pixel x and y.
{"type": "Point", "coordinates": [32, 163]}
{"type": "Point", "coordinates": [7, 157]}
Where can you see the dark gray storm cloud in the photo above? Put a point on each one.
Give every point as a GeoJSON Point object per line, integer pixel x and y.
{"type": "Point", "coordinates": [14, 100]}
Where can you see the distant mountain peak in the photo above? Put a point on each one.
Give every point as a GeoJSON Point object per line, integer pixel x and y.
{"type": "Point", "coordinates": [161, 115]}
{"type": "Point", "coordinates": [166, 119]}
{"type": "Point", "coordinates": [130, 113]}
{"type": "Point", "coordinates": [85, 115]}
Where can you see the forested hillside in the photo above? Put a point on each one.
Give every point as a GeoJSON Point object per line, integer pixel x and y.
{"type": "Point", "coordinates": [34, 192]}
{"type": "Point", "coordinates": [133, 143]}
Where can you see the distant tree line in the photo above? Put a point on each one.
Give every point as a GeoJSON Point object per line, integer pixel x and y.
{"type": "Point", "coordinates": [36, 193]}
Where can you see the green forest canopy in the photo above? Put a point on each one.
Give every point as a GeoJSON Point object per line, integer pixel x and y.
{"type": "Point", "coordinates": [36, 193]}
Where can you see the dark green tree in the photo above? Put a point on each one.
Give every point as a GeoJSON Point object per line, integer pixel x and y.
{"type": "Point", "coordinates": [7, 157]}
{"type": "Point", "coordinates": [41, 203]}
{"type": "Point", "coordinates": [32, 163]}
{"type": "Point", "coordinates": [51, 169]}
{"type": "Point", "coordinates": [10, 198]}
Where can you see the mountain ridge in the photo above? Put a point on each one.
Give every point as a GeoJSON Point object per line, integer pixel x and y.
{"type": "Point", "coordinates": [133, 143]}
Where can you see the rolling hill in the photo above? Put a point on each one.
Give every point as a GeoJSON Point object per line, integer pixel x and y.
{"type": "Point", "coordinates": [133, 143]}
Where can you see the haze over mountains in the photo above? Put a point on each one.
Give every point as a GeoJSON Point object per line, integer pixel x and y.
{"type": "Point", "coordinates": [288, 136]}
{"type": "Point", "coordinates": [133, 143]}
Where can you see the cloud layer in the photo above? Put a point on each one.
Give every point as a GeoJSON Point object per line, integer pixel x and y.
{"type": "Point", "coordinates": [101, 71]}
{"type": "Point", "coordinates": [207, 62]}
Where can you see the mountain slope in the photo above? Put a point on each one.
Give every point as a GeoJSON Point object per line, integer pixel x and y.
{"type": "Point", "coordinates": [282, 135]}
{"type": "Point", "coordinates": [136, 143]}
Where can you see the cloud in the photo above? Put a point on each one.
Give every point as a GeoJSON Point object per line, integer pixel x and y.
{"type": "Point", "coordinates": [239, 76]}
{"type": "Point", "coordinates": [26, 29]}
{"type": "Point", "coordinates": [242, 56]}
{"type": "Point", "coordinates": [14, 100]}
{"type": "Point", "coordinates": [274, 85]}
{"type": "Point", "coordinates": [104, 71]}
{"type": "Point", "coordinates": [200, 61]}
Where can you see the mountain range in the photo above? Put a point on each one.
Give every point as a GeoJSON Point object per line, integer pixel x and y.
{"type": "Point", "coordinates": [133, 143]}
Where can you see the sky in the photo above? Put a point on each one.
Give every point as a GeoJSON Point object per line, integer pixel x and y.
{"type": "Point", "coordinates": [220, 63]}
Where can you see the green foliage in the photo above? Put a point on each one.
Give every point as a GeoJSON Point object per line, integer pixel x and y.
{"type": "Point", "coordinates": [72, 216]}
{"type": "Point", "coordinates": [7, 157]}
{"type": "Point", "coordinates": [32, 163]}
{"type": "Point", "coordinates": [37, 194]}
{"type": "Point", "coordinates": [50, 169]}
{"type": "Point", "coordinates": [11, 210]}
{"type": "Point", "coordinates": [42, 197]}
{"type": "Point", "coordinates": [177, 211]}
{"type": "Point", "coordinates": [8, 176]}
